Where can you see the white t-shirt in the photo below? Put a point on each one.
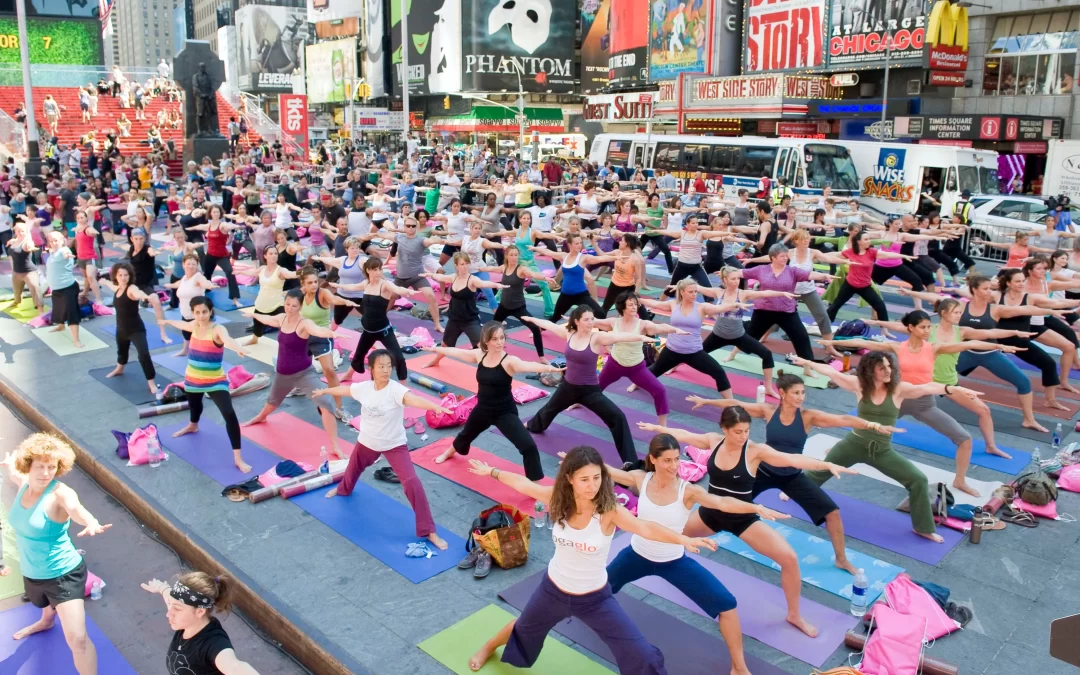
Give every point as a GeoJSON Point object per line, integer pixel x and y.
{"type": "Point", "coordinates": [283, 217]}
{"type": "Point", "coordinates": [382, 415]}
{"type": "Point", "coordinates": [359, 223]}
{"type": "Point", "coordinates": [543, 219]}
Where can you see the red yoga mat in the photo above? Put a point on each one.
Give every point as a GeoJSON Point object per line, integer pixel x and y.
{"type": "Point", "coordinates": [292, 438]}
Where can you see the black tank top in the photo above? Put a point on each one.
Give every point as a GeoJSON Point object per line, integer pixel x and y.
{"type": "Point", "coordinates": [737, 482]}
{"type": "Point", "coordinates": [374, 306]}
{"type": "Point", "coordinates": [1014, 322]}
{"type": "Point", "coordinates": [288, 261]}
{"type": "Point", "coordinates": [714, 252]}
{"type": "Point", "coordinates": [984, 322]}
{"type": "Point", "coordinates": [143, 263]}
{"type": "Point", "coordinates": [128, 321]}
{"type": "Point", "coordinates": [514, 296]}
{"type": "Point", "coordinates": [463, 305]}
{"type": "Point", "coordinates": [20, 260]}
{"type": "Point", "coordinates": [493, 387]}
{"type": "Point", "coordinates": [186, 222]}
{"type": "Point", "coordinates": [789, 438]}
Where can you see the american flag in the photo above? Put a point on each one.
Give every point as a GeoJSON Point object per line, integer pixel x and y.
{"type": "Point", "coordinates": [104, 11]}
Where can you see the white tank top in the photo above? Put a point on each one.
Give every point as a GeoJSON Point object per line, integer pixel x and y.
{"type": "Point", "coordinates": [579, 565]}
{"type": "Point", "coordinates": [808, 267]}
{"type": "Point", "coordinates": [1060, 295]}
{"type": "Point", "coordinates": [690, 249]}
{"type": "Point", "coordinates": [672, 516]}
{"type": "Point", "coordinates": [1041, 320]}
{"type": "Point", "coordinates": [188, 289]}
{"type": "Point", "coordinates": [591, 207]}
{"type": "Point", "coordinates": [455, 225]}
{"type": "Point", "coordinates": [474, 248]}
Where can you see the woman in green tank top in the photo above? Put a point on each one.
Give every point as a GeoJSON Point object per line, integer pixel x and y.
{"type": "Point", "coordinates": [316, 307]}
{"type": "Point", "coordinates": [525, 237]}
{"type": "Point", "coordinates": [880, 392]}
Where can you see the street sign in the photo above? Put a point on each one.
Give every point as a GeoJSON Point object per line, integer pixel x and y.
{"type": "Point", "coordinates": [844, 79]}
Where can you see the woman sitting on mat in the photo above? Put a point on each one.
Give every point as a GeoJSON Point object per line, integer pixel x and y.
{"type": "Point", "coordinates": [130, 329]}
{"type": "Point", "coordinates": [581, 384]}
{"type": "Point", "coordinates": [60, 277]}
{"type": "Point", "coordinates": [188, 287]}
{"type": "Point", "coordinates": [495, 406]}
{"type": "Point", "coordinates": [462, 316]}
{"type": "Point", "coordinates": [54, 572]}
{"type": "Point", "coordinates": [668, 500]}
{"type": "Point", "coordinates": [732, 468]}
{"type": "Point", "coordinates": [200, 643]}
{"type": "Point", "coordinates": [584, 515]}
{"type": "Point", "coordinates": [293, 371]}
{"type": "Point", "coordinates": [575, 290]}
{"type": "Point", "coordinates": [24, 272]}
{"type": "Point", "coordinates": [512, 299]}
{"type": "Point", "coordinates": [787, 428]}
{"type": "Point", "coordinates": [271, 298]}
{"type": "Point", "coordinates": [880, 394]}
{"type": "Point", "coordinates": [688, 315]}
{"type": "Point", "coordinates": [917, 358]}
{"type": "Point", "coordinates": [316, 307]}
{"type": "Point", "coordinates": [204, 375]}
{"type": "Point", "coordinates": [381, 432]}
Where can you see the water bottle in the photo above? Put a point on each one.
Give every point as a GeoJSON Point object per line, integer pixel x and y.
{"type": "Point", "coordinates": [153, 451]}
{"type": "Point", "coordinates": [540, 515]}
{"type": "Point", "coordinates": [324, 460]}
{"type": "Point", "coordinates": [858, 594]}
{"type": "Point", "coordinates": [975, 533]}
{"type": "Point", "coordinates": [1036, 457]}
{"type": "Point", "coordinates": [760, 396]}
{"type": "Point", "coordinates": [95, 591]}
{"type": "Point", "coordinates": [1057, 437]}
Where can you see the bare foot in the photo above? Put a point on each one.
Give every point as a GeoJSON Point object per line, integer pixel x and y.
{"type": "Point", "coordinates": [999, 453]}
{"type": "Point", "coordinates": [935, 537]}
{"type": "Point", "coordinates": [119, 370]}
{"type": "Point", "coordinates": [57, 329]}
{"type": "Point", "coordinates": [253, 341]}
{"type": "Point", "coordinates": [434, 538]}
{"type": "Point", "coordinates": [784, 497]}
{"type": "Point", "coordinates": [803, 625]}
{"type": "Point", "coordinates": [78, 345]}
{"type": "Point", "coordinates": [730, 357]}
{"type": "Point", "coordinates": [41, 625]}
{"type": "Point", "coordinates": [182, 352]}
{"type": "Point", "coordinates": [574, 407]}
{"type": "Point", "coordinates": [447, 454]}
{"type": "Point", "coordinates": [962, 486]}
{"type": "Point", "coordinates": [438, 328]}
{"type": "Point", "coordinates": [772, 392]}
{"type": "Point", "coordinates": [237, 303]}
{"type": "Point", "coordinates": [431, 364]}
{"type": "Point", "coordinates": [1055, 404]}
{"type": "Point", "coordinates": [739, 671]}
{"type": "Point", "coordinates": [258, 419]}
{"type": "Point", "coordinates": [4, 570]}
{"type": "Point", "coordinates": [631, 389]}
{"type": "Point", "coordinates": [480, 657]}
{"type": "Point", "coordinates": [845, 564]}
{"type": "Point", "coordinates": [1027, 425]}
{"type": "Point", "coordinates": [189, 429]}
{"type": "Point", "coordinates": [1069, 388]}
{"type": "Point", "coordinates": [242, 465]}
{"type": "Point", "coordinates": [331, 493]}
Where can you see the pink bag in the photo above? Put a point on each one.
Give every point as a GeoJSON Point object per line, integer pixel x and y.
{"type": "Point", "coordinates": [895, 648]}
{"type": "Point", "coordinates": [691, 471]}
{"type": "Point", "coordinates": [1049, 511]}
{"type": "Point", "coordinates": [138, 453]}
{"type": "Point", "coordinates": [1068, 479]}
{"type": "Point", "coordinates": [697, 455]}
{"type": "Point", "coordinates": [90, 579]}
{"type": "Point", "coordinates": [237, 376]}
{"type": "Point", "coordinates": [626, 498]}
{"type": "Point", "coordinates": [40, 321]}
{"type": "Point", "coordinates": [402, 303]}
{"type": "Point", "coordinates": [221, 282]}
{"type": "Point", "coordinates": [459, 412]}
{"type": "Point", "coordinates": [423, 337]}
{"type": "Point", "coordinates": [907, 597]}
{"type": "Point", "coordinates": [102, 310]}
{"type": "Point", "coordinates": [527, 393]}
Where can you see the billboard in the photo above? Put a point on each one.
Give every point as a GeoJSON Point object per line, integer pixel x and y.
{"type": "Point", "coordinates": [594, 40]}
{"type": "Point", "coordinates": [53, 41]}
{"type": "Point", "coordinates": [785, 35]}
{"type": "Point", "coordinates": [434, 44]}
{"type": "Point", "coordinates": [294, 117]}
{"type": "Point", "coordinates": [78, 9]}
{"type": "Point", "coordinates": [329, 66]}
{"type": "Point", "coordinates": [628, 39]}
{"type": "Point", "coordinates": [270, 41]}
{"type": "Point", "coordinates": [857, 33]}
{"type": "Point", "coordinates": [947, 37]}
{"type": "Point", "coordinates": [328, 10]}
{"type": "Point", "coordinates": [678, 38]}
{"type": "Point", "coordinates": [374, 51]}
{"type": "Point", "coordinates": [512, 41]}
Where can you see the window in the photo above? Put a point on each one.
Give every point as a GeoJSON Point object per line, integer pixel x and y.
{"type": "Point", "coordinates": [695, 156]}
{"type": "Point", "coordinates": [667, 156]}
{"type": "Point", "coordinates": [754, 160]}
{"type": "Point", "coordinates": [1032, 54]}
{"type": "Point", "coordinates": [1009, 208]}
{"type": "Point", "coordinates": [618, 152]}
{"type": "Point", "coordinates": [724, 159]}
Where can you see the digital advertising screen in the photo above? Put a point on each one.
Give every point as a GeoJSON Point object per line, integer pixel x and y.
{"type": "Point", "coordinates": [53, 42]}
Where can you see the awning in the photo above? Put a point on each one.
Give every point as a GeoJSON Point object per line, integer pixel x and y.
{"type": "Point", "coordinates": [490, 118]}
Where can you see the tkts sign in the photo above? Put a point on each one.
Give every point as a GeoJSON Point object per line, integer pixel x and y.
{"type": "Point", "coordinates": [784, 35]}
{"type": "Point", "coordinates": [294, 115]}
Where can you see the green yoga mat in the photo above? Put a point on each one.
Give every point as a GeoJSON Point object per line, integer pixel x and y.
{"type": "Point", "coordinates": [60, 341]}
{"type": "Point", "coordinates": [749, 363]}
{"type": "Point", "coordinates": [454, 646]}
{"type": "Point", "coordinates": [605, 282]}
{"type": "Point", "coordinates": [23, 312]}
{"type": "Point", "coordinates": [12, 584]}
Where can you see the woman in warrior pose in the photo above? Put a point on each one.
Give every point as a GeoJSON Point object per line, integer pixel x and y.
{"type": "Point", "coordinates": [462, 315]}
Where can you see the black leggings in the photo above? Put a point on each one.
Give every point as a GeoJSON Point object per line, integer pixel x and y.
{"type": "Point", "coordinates": [550, 244]}
{"type": "Point", "coordinates": [247, 244]}
{"type": "Point", "coordinates": [123, 342]}
{"type": "Point", "coordinates": [660, 243]}
{"type": "Point", "coordinates": [761, 320]}
{"type": "Point", "coordinates": [1061, 328]}
{"type": "Point", "coordinates": [613, 293]}
{"type": "Point", "coordinates": [454, 330]}
{"type": "Point", "coordinates": [511, 426]}
{"type": "Point", "coordinates": [902, 272]}
{"type": "Point", "coordinates": [589, 396]}
{"type": "Point", "coordinates": [1034, 355]}
{"type": "Point", "coordinates": [502, 311]}
{"type": "Point", "coordinates": [955, 251]}
{"type": "Point", "coordinates": [568, 301]}
{"type": "Point", "coordinates": [174, 299]}
{"type": "Point", "coordinates": [867, 293]}
{"type": "Point", "coordinates": [946, 260]}
{"type": "Point", "coordinates": [743, 343]}
{"type": "Point", "coordinates": [699, 361]}
{"type": "Point", "coordinates": [389, 340]}
{"type": "Point", "coordinates": [683, 270]}
{"type": "Point", "coordinates": [211, 262]}
{"type": "Point", "coordinates": [257, 327]}
{"type": "Point", "coordinates": [341, 312]}
{"type": "Point", "coordinates": [925, 274]}
{"type": "Point", "coordinates": [223, 401]}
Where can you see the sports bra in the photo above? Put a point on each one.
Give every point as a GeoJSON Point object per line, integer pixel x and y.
{"type": "Point", "coordinates": [789, 438]}
{"type": "Point", "coordinates": [916, 367]}
{"type": "Point", "coordinates": [735, 482]}
{"type": "Point", "coordinates": [807, 266]}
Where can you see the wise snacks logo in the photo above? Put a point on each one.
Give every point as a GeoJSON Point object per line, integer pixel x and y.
{"type": "Point", "coordinates": [888, 179]}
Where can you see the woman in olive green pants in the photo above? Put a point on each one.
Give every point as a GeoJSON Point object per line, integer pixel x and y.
{"type": "Point", "coordinates": [880, 392]}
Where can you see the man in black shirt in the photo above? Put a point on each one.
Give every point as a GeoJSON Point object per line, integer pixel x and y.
{"type": "Point", "coordinates": [68, 201]}
{"type": "Point", "coordinates": [333, 211]}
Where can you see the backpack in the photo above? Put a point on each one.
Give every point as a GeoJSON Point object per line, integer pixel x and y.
{"type": "Point", "coordinates": [1036, 487]}
{"type": "Point", "coordinates": [855, 328]}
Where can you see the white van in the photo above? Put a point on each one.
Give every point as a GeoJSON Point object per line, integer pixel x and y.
{"type": "Point", "coordinates": [891, 174]}
{"type": "Point", "coordinates": [1062, 176]}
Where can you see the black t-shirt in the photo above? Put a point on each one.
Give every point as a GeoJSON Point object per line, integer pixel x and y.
{"type": "Point", "coordinates": [189, 221]}
{"type": "Point", "coordinates": [334, 213]}
{"type": "Point", "coordinates": [67, 205]}
{"type": "Point", "coordinates": [196, 656]}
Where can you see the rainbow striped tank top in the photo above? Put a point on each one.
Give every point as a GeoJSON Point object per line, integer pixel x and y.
{"type": "Point", "coordinates": [204, 372]}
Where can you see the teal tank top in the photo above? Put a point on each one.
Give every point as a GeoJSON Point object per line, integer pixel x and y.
{"type": "Point", "coordinates": [525, 256]}
{"type": "Point", "coordinates": [45, 548]}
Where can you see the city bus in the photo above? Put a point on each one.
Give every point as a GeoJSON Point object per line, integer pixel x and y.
{"type": "Point", "coordinates": [809, 165]}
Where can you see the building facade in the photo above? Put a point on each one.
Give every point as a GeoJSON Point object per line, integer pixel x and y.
{"type": "Point", "coordinates": [205, 14]}
{"type": "Point", "coordinates": [143, 32]}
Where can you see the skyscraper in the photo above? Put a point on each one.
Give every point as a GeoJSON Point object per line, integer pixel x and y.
{"type": "Point", "coordinates": [143, 31]}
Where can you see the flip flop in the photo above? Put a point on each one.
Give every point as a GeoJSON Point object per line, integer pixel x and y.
{"type": "Point", "coordinates": [987, 522]}
{"type": "Point", "coordinates": [418, 428]}
{"type": "Point", "coordinates": [1018, 517]}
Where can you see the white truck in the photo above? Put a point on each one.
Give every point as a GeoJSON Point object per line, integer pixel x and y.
{"type": "Point", "coordinates": [1062, 176]}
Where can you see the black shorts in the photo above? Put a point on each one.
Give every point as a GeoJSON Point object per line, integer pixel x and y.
{"type": "Point", "coordinates": [722, 521]}
{"type": "Point", "coordinates": [803, 491]}
{"type": "Point", "coordinates": [52, 592]}
{"type": "Point", "coordinates": [449, 251]}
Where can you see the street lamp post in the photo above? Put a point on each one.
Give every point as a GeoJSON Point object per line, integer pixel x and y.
{"type": "Point", "coordinates": [404, 77]}
{"type": "Point", "coordinates": [33, 157]}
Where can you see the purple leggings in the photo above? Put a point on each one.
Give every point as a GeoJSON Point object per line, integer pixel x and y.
{"type": "Point", "coordinates": [613, 371]}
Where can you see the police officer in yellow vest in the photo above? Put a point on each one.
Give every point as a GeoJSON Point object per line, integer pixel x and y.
{"type": "Point", "coordinates": [780, 191]}
{"type": "Point", "coordinates": [962, 209]}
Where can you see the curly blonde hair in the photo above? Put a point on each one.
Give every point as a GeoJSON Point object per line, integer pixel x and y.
{"type": "Point", "coordinates": [45, 447]}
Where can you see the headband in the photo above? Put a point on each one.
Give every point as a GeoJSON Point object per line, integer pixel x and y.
{"type": "Point", "coordinates": [190, 597]}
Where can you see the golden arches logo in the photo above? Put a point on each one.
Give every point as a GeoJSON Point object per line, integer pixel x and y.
{"type": "Point", "coordinates": [948, 25]}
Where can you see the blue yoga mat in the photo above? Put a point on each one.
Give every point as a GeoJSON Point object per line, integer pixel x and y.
{"type": "Point", "coordinates": [153, 335]}
{"type": "Point", "coordinates": [816, 562]}
{"type": "Point", "coordinates": [921, 437]}
{"type": "Point", "coordinates": [210, 451]}
{"type": "Point", "coordinates": [178, 364]}
{"type": "Point", "coordinates": [222, 303]}
{"type": "Point", "coordinates": [383, 527]}
{"type": "Point", "coordinates": [47, 653]}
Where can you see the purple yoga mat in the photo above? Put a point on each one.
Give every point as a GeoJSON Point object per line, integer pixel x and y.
{"type": "Point", "coordinates": [762, 609]}
{"type": "Point", "coordinates": [558, 438]}
{"type": "Point", "coordinates": [633, 416]}
{"type": "Point", "coordinates": [687, 650]}
{"type": "Point", "coordinates": [209, 451]}
{"type": "Point", "coordinates": [887, 528]}
{"type": "Point", "coordinates": [47, 653]}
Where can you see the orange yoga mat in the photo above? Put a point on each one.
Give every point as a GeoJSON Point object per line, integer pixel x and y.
{"type": "Point", "coordinates": [292, 438]}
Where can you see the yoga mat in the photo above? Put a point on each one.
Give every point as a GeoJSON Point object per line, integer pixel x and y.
{"type": "Point", "coordinates": [818, 446]}
{"type": "Point", "coordinates": [456, 470]}
{"type": "Point", "coordinates": [997, 392]}
{"type": "Point", "coordinates": [749, 363]}
{"type": "Point", "coordinates": [47, 653]}
{"type": "Point", "coordinates": [762, 610]}
{"type": "Point", "coordinates": [153, 335]}
{"type": "Point", "coordinates": [1006, 420]}
{"type": "Point", "coordinates": [131, 385]}
{"type": "Point", "coordinates": [557, 438]}
{"type": "Point", "coordinates": [265, 350]}
{"type": "Point", "coordinates": [24, 312]}
{"type": "Point", "coordinates": [922, 437]}
{"type": "Point", "coordinates": [687, 650]}
{"type": "Point", "coordinates": [551, 341]}
{"type": "Point", "coordinates": [60, 341]}
{"type": "Point", "coordinates": [12, 584]}
{"type": "Point", "coordinates": [383, 528]}
{"type": "Point", "coordinates": [455, 374]}
{"type": "Point", "coordinates": [633, 416]}
{"type": "Point", "coordinates": [220, 297]}
{"type": "Point", "coordinates": [210, 451]}
{"type": "Point", "coordinates": [816, 559]}
{"type": "Point", "coordinates": [292, 438]}
{"type": "Point", "coordinates": [454, 646]}
{"type": "Point", "coordinates": [178, 364]}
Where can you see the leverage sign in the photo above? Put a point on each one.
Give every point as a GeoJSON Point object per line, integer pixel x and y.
{"type": "Point", "coordinates": [294, 117]}
{"type": "Point", "coordinates": [636, 107]}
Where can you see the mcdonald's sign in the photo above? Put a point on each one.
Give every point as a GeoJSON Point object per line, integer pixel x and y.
{"type": "Point", "coordinates": [947, 36]}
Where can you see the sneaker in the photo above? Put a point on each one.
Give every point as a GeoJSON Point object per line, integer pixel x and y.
{"type": "Point", "coordinates": [294, 392]}
{"type": "Point", "coordinates": [483, 565]}
{"type": "Point", "coordinates": [469, 561]}
{"type": "Point", "coordinates": [343, 415]}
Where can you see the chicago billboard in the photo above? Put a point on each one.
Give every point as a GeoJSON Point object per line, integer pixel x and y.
{"type": "Point", "coordinates": [434, 44]}
{"type": "Point", "coordinates": [858, 32]}
{"type": "Point", "coordinates": [507, 42]}
{"type": "Point", "coordinates": [594, 43]}
{"type": "Point", "coordinates": [270, 41]}
{"type": "Point", "coordinates": [784, 35]}
{"type": "Point", "coordinates": [628, 39]}
{"type": "Point", "coordinates": [330, 66]}
{"type": "Point", "coordinates": [678, 38]}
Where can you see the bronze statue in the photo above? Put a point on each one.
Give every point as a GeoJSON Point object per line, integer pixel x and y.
{"type": "Point", "coordinates": [205, 94]}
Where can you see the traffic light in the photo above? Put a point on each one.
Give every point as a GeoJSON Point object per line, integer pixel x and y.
{"type": "Point", "coordinates": [446, 103]}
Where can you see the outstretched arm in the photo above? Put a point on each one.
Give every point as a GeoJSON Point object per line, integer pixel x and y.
{"type": "Point", "coordinates": [512, 480]}
{"type": "Point", "coordinates": [759, 410]}
{"type": "Point", "coordinates": [848, 382]}
{"type": "Point", "coordinates": [704, 441]}
{"type": "Point", "coordinates": [466, 355]}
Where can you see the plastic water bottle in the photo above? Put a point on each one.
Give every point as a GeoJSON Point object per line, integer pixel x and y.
{"type": "Point", "coordinates": [540, 515]}
{"type": "Point", "coordinates": [153, 451]}
{"type": "Point", "coordinates": [858, 594]}
{"type": "Point", "coordinates": [1057, 437]}
{"type": "Point", "coordinates": [760, 396]}
{"type": "Point", "coordinates": [1036, 457]}
{"type": "Point", "coordinates": [324, 460]}
{"type": "Point", "coordinates": [95, 591]}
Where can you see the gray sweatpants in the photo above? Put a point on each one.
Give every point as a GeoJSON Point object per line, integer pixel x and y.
{"type": "Point", "coordinates": [926, 411]}
{"type": "Point", "coordinates": [818, 310]}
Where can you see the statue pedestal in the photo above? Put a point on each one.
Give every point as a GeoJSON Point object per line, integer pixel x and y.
{"type": "Point", "coordinates": [197, 147]}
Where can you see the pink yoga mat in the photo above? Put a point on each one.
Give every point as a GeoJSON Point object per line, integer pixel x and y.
{"type": "Point", "coordinates": [551, 341]}
{"type": "Point", "coordinates": [454, 373]}
{"type": "Point", "coordinates": [292, 438]}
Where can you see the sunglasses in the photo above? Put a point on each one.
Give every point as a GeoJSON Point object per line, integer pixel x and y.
{"type": "Point", "coordinates": [410, 225]}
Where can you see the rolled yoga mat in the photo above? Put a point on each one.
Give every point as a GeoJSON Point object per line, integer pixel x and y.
{"type": "Point", "coordinates": [47, 653]}
{"type": "Point", "coordinates": [131, 385]}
